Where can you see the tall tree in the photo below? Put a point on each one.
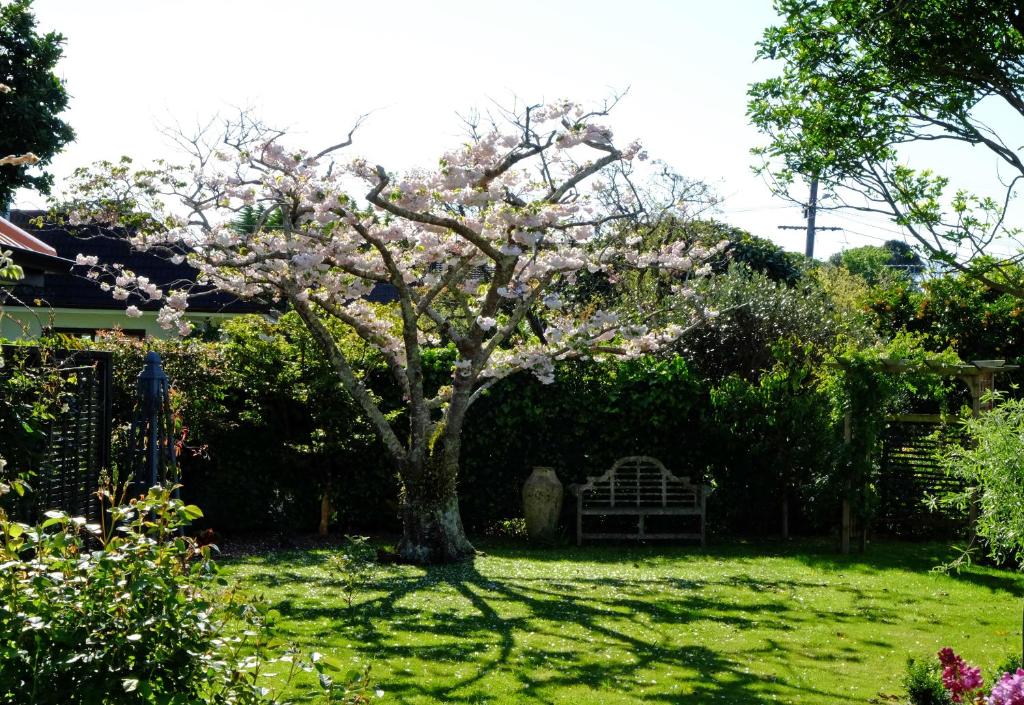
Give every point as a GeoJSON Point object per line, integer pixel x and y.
{"type": "Point", "coordinates": [861, 80]}
{"type": "Point", "coordinates": [30, 125]}
{"type": "Point", "coordinates": [474, 250]}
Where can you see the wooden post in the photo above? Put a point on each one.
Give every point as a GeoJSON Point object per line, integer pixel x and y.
{"type": "Point", "coordinates": [579, 517]}
{"type": "Point", "coordinates": [844, 535]}
{"type": "Point", "coordinates": [844, 530]}
{"type": "Point", "coordinates": [325, 512]}
{"type": "Point", "coordinates": [785, 516]}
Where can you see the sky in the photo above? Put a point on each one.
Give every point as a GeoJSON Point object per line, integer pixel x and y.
{"type": "Point", "coordinates": [313, 66]}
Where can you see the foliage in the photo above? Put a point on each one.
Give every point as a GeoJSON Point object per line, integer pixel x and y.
{"type": "Point", "coordinates": [354, 563]}
{"type": "Point", "coordinates": [756, 253]}
{"type": "Point", "coordinates": [125, 621]}
{"type": "Point", "coordinates": [895, 260]}
{"type": "Point", "coordinates": [263, 429]}
{"type": "Point", "coordinates": [32, 102]}
{"type": "Point", "coordinates": [991, 465]}
{"type": "Point", "coordinates": [955, 311]}
{"type": "Point", "coordinates": [923, 683]}
{"type": "Point", "coordinates": [32, 391]}
{"type": "Point", "coordinates": [778, 440]}
{"type": "Point", "coordinates": [869, 384]}
{"type": "Point", "coordinates": [9, 271]}
{"type": "Point", "coordinates": [743, 621]}
{"type": "Point", "coordinates": [133, 611]}
{"type": "Point", "coordinates": [753, 313]}
{"type": "Point", "coordinates": [861, 80]}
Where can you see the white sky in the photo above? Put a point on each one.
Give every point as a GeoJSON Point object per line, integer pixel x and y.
{"type": "Point", "coordinates": [314, 65]}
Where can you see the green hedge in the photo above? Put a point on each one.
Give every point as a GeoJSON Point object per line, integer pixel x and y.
{"type": "Point", "coordinates": [266, 429]}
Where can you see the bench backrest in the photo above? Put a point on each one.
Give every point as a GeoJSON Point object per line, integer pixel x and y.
{"type": "Point", "coordinates": [639, 481]}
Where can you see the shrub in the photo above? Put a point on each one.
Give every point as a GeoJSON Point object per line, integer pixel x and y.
{"type": "Point", "coordinates": [354, 563]}
{"type": "Point", "coordinates": [950, 679]}
{"type": "Point", "coordinates": [127, 612]}
{"type": "Point", "coordinates": [990, 464]}
{"type": "Point", "coordinates": [923, 682]}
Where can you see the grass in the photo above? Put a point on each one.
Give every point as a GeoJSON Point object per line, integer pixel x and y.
{"type": "Point", "coordinates": [736, 623]}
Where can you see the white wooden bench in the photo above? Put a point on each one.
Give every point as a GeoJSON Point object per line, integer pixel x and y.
{"type": "Point", "coordinates": [640, 486]}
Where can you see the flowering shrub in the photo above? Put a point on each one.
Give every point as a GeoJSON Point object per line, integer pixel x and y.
{"type": "Point", "coordinates": [958, 677]}
{"type": "Point", "coordinates": [128, 612]}
{"type": "Point", "coordinates": [960, 683]}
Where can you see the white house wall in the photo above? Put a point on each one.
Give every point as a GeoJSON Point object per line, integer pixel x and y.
{"type": "Point", "coordinates": [20, 323]}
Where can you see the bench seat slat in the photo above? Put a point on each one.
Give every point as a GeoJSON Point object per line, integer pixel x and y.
{"type": "Point", "coordinates": [636, 511]}
{"type": "Point", "coordinates": [640, 536]}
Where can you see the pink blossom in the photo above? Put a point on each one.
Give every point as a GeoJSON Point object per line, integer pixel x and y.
{"type": "Point", "coordinates": [1009, 690]}
{"type": "Point", "coordinates": [958, 677]}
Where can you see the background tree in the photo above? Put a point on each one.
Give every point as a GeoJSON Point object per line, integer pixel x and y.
{"type": "Point", "coordinates": [29, 110]}
{"type": "Point", "coordinates": [877, 264]}
{"type": "Point", "coordinates": [861, 80]}
{"type": "Point", "coordinates": [474, 250]}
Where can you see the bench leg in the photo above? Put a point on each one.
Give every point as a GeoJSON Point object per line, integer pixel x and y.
{"type": "Point", "coordinates": [703, 539]}
{"type": "Point", "coordinates": [641, 526]}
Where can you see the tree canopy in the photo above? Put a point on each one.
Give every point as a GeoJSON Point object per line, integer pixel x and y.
{"type": "Point", "coordinates": [882, 262]}
{"type": "Point", "coordinates": [31, 102]}
{"type": "Point", "coordinates": [861, 80]}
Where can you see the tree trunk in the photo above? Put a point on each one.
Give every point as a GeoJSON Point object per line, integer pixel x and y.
{"type": "Point", "coordinates": [432, 529]}
{"type": "Point", "coordinates": [432, 532]}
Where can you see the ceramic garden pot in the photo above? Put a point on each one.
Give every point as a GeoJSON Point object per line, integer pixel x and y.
{"type": "Point", "coordinates": [542, 503]}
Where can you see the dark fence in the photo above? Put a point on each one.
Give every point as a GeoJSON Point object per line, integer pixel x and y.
{"type": "Point", "coordinates": [76, 446]}
{"type": "Point", "coordinates": [910, 473]}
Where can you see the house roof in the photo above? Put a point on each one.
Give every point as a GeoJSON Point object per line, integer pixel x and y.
{"type": "Point", "coordinates": [70, 290]}
{"type": "Point", "coordinates": [13, 236]}
{"type": "Point", "coordinates": [29, 252]}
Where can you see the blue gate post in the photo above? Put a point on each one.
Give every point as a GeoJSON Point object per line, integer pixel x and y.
{"type": "Point", "coordinates": [152, 432]}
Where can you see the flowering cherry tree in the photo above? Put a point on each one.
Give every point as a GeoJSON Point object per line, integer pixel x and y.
{"type": "Point", "coordinates": [478, 253]}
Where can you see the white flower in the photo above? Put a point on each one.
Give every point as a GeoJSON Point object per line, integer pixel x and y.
{"type": "Point", "coordinates": [485, 322]}
{"type": "Point", "coordinates": [86, 260]}
{"type": "Point", "coordinates": [133, 312]}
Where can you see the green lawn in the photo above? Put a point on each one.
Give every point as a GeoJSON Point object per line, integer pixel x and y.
{"type": "Point", "coordinates": [738, 623]}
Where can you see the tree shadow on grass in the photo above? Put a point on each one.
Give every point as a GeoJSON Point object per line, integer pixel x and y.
{"type": "Point", "coordinates": [561, 634]}
{"type": "Point", "coordinates": [533, 639]}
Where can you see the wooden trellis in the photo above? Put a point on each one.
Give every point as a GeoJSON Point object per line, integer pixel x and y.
{"type": "Point", "coordinates": [908, 459]}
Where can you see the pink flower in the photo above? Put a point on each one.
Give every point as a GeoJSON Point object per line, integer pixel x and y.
{"type": "Point", "coordinates": [958, 677]}
{"type": "Point", "coordinates": [1009, 690]}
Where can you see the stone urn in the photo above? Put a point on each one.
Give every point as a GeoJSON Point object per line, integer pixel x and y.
{"type": "Point", "coordinates": [542, 503]}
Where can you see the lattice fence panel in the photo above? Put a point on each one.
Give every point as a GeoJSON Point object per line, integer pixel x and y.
{"type": "Point", "coordinates": [910, 472]}
{"type": "Point", "coordinates": [77, 445]}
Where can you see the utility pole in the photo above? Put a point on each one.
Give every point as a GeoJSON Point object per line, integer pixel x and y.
{"type": "Point", "coordinates": [810, 212]}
